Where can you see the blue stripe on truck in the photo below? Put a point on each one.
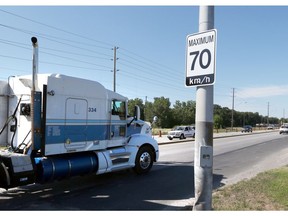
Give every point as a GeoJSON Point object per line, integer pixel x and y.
{"type": "Point", "coordinates": [59, 133]}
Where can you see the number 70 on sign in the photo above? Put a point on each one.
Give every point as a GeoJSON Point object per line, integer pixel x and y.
{"type": "Point", "coordinates": [201, 58]}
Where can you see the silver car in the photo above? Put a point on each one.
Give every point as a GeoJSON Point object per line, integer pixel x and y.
{"type": "Point", "coordinates": [283, 129]}
{"type": "Point", "coordinates": [181, 132]}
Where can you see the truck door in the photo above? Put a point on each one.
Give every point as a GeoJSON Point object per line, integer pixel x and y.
{"type": "Point", "coordinates": [76, 114]}
{"type": "Point", "coordinates": [118, 120]}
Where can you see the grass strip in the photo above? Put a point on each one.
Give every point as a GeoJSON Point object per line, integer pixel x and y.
{"type": "Point", "coordinates": [266, 191]}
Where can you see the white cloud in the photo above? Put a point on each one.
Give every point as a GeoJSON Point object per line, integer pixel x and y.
{"type": "Point", "coordinates": [262, 92]}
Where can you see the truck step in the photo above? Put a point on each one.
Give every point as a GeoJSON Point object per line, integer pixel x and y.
{"type": "Point", "coordinates": [119, 156]}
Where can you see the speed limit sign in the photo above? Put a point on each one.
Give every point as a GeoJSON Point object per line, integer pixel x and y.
{"type": "Point", "coordinates": [201, 58]}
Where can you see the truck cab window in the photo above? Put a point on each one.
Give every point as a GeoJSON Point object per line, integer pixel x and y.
{"type": "Point", "coordinates": [119, 108]}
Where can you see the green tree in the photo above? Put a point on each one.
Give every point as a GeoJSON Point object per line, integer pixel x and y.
{"type": "Point", "coordinates": [149, 112]}
{"type": "Point", "coordinates": [162, 110]}
{"type": "Point", "coordinates": [224, 113]}
{"type": "Point", "coordinates": [218, 121]}
{"type": "Point", "coordinates": [184, 112]}
{"type": "Point", "coordinates": [131, 105]}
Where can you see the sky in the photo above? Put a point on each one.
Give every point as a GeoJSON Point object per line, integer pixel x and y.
{"type": "Point", "coordinates": [150, 41]}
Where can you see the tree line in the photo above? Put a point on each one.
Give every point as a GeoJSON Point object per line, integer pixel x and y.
{"type": "Point", "coordinates": [184, 113]}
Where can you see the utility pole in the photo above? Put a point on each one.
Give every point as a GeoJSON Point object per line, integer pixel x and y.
{"type": "Point", "coordinates": [145, 108]}
{"type": "Point", "coordinates": [203, 158]}
{"type": "Point", "coordinates": [268, 106]}
{"type": "Point", "coordinates": [232, 118]}
{"type": "Point", "coordinates": [115, 70]}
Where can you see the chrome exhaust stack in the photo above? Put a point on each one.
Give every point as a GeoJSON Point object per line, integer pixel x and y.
{"type": "Point", "coordinates": [34, 63]}
{"type": "Point", "coordinates": [35, 101]}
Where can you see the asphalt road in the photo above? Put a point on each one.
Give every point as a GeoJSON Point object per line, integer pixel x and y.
{"type": "Point", "coordinates": [169, 185]}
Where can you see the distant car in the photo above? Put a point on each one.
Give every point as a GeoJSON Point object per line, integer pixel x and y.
{"type": "Point", "coordinates": [283, 129]}
{"type": "Point", "coordinates": [181, 132]}
{"type": "Point", "coordinates": [247, 128]}
{"type": "Point", "coordinates": [270, 127]}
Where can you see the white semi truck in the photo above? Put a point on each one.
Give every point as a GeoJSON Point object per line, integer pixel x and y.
{"type": "Point", "coordinates": [57, 126]}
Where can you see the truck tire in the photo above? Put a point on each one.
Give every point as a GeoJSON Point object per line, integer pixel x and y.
{"type": "Point", "coordinates": [144, 160]}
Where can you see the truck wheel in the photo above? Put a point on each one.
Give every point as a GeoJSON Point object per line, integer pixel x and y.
{"type": "Point", "coordinates": [144, 160]}
{"type": "Point", "coordinates": [182, 136]}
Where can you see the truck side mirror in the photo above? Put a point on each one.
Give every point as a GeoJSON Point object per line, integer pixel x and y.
{"type": "Point", "coordinates": [155, 119]}
{"type": "Point", "coordinates": [136, 115]}
{"type": "Point", "coordinates": [137, 112]}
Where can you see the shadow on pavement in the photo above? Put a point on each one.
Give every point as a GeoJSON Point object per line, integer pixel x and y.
{"type": "Point", "coordinates": [163, 188]}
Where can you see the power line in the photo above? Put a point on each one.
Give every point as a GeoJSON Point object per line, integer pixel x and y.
{"type": "Point", "coordinates": [47, 53]}
{"type": "Point", "coordinates": [72, 59]}
{"type": "Point", "coordinates": [140, 63]}
{"type": "Point", "coordinates": [148, 63]}
{"type": "Point", "coordinates": [147, 70]}
{"type": "Point", "coordinates": [84, 37]}
{"type": "Point", "coordinates": [76, 54]}
{"type": "Point", "coordinates": [157, 74]}
{"type": "Point", "coordinates": [53, 63]}
{"type": "Point", "coordinates": [49, 37]}
{"type": "Point", "coordinates": [152, 81]}
{"type": "Point", "coordinates": [15, 44]}
{"type": "Point", "coordinates": [13, 57]}
{"type": "Point", "coordinates": [163, 83]}
{"type": "Point", "coordinates": [55, 28]}
{"type": "Point", "coordinates": [26, 46]}
{"type": "Point", "coordinates": [145, 79]}
{"type": "Point", "coordinates": [148, 60]}
{"type": "Point", "coordinates": [13, 69]}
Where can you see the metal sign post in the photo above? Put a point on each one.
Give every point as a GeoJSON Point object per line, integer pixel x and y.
{"type": "Point", "coordinates": [200, 70]}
